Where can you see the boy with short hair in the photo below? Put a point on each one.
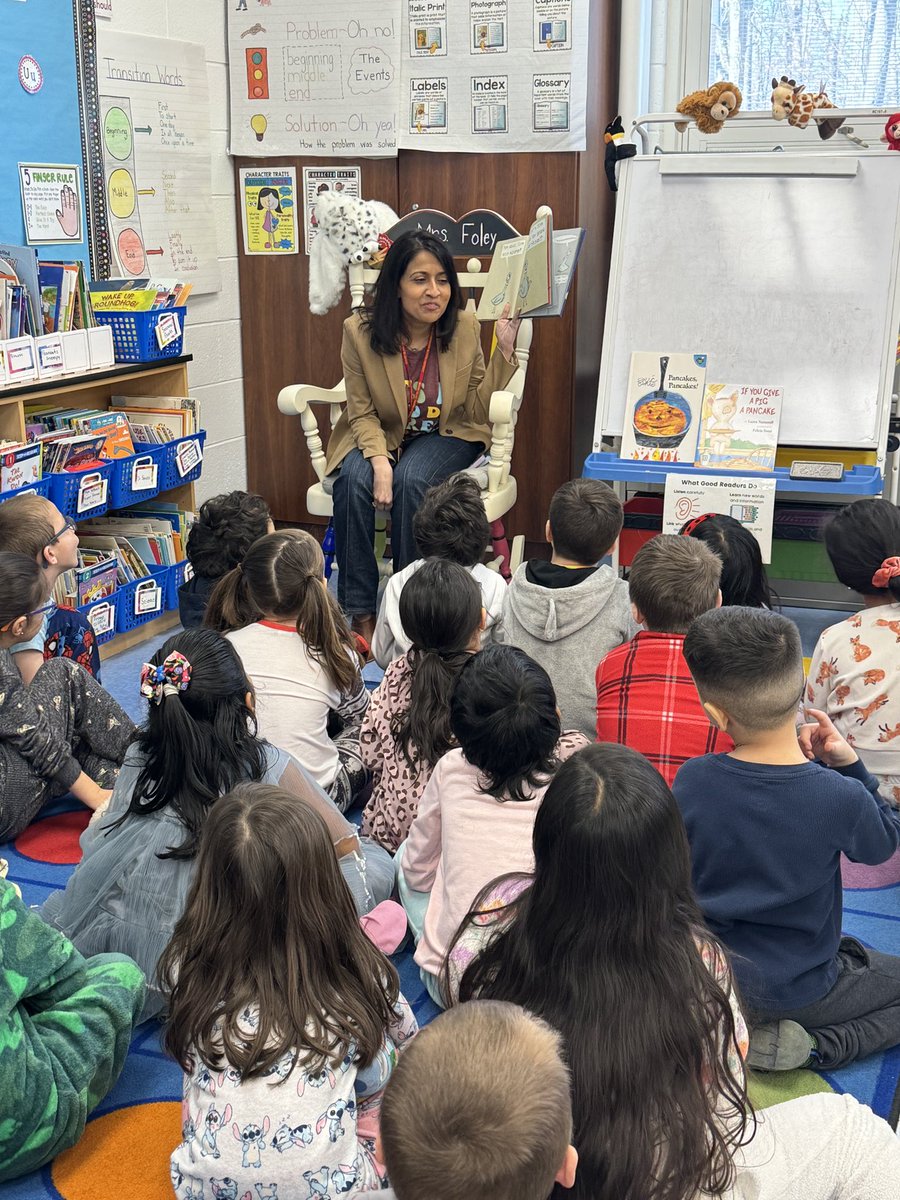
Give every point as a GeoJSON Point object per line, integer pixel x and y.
{"type": "Point", "coordinates": [225, 529]}
{"type": "Point", "coordinates": [451, 524]}
{"type": "Point", "coordinates": [646, 698]}
{"type": "Point", "coordinates": [478, 1108]}
{"type": "Point", "coordinates": [33, 526]}
{"type": "Point", "coordinates": [568, 612]}
{"type": "Point", "coordinates": [767, 823]}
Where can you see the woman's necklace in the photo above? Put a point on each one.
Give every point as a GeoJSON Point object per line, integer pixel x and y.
{"type": "Point", "coordinates": [412, 397]}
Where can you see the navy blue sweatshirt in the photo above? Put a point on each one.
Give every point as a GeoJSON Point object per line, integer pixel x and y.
{"type": "Point", "coordinates": [765, 847]}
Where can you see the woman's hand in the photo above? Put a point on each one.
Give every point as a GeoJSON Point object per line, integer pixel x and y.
{"type": "Point", "coordinates": [507, 332]}
{"type": "Point", "coordinates": [383, 481]}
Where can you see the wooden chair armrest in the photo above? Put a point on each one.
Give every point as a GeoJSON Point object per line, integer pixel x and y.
{"type": "Point", "coordinates": [294, 399]}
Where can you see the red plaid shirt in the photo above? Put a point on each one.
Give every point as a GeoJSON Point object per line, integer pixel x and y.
{"type": "Point", "coordinates": [646, 699]}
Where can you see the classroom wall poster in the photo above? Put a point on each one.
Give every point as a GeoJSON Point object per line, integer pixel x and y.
{"type": "Point", "coordinates": [317, 180]}
{"type": "Point", "coordinates": [103, 10]}
{"type": "Point", "coordinates": [154, 116]}
{"type": "Point", "coordinates": [320, 78]}
{"type": "Point", "coordinates": [269, 211]}
{"type": "Point", "coordinates": [51, 203]}
{"type": "Point", "coordinates": [494, 77]}
{"type": "Point", "coordinates": [748, 499]}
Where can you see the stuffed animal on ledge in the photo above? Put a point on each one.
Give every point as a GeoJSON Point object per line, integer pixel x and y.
{"type": "Point", "coordinates": [891, 133]}
{"type": "Point", "coordinates": [350, 230]}
{"type": "Point", "coordinates": [616, 149]}
{"type": "Point", "coordinates": [710, 109]}
{"type": "Point", "coordinates": [791, 103]}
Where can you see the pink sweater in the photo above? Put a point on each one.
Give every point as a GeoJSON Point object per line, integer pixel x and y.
{"type": "Point", "coordinates": [461, 839]}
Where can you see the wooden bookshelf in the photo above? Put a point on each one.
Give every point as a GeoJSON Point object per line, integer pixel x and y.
{"type": "Point", "coordinates": [95, 389]}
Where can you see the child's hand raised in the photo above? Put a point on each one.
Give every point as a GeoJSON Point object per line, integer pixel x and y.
{"type": "Point", "coordinates": [820, 740]}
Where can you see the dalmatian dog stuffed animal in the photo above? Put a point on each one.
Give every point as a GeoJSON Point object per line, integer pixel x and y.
{"type": "Point", "coordinates": [349, 231]}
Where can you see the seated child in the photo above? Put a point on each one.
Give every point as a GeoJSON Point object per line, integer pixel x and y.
{"type": "Point", "coordinates": [32, 525]}
{"type": "Point", "coordinates": [476, 815]}
{"type": "Point", "coordinates": [67, 1024]}
{"type": "Point", "coordinates": [225, 529]}
{"type": "Point", "coordinates": [744, 580]}
{"type": "Point", "coordinates": [646, 698]}
{"type": "Point", "coordinates": [300, 658]}
{"type": "Point", "coordinates": [407, 726]}
{"type": "Point", "coordinates": [478, 1108]}
{"type": "Point", "coordinates": [61, 733]}
{"type": "Point", "coordinates": [288, 1031]}
{"type": "Point", "coordinates": [608, 946]}
{"type": "Point", "coordinates": [767, 824]}
{"type": "Point", "coordinates": [198, 742]}
{"type": "Point", "coordinates": [569, 612]}
{"type": "Point", "coordinates": [854, 675]}
{"type": "Point", "coordinates": [450, 523]}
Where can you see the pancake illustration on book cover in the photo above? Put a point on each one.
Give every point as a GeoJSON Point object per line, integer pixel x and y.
{"type": "Point", "coordinates": [662, 411]}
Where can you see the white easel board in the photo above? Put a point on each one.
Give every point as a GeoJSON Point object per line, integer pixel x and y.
{"type": "Point", "coordinates": [774, 266]}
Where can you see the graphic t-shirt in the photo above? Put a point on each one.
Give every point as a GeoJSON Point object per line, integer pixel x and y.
{"type": "Point", "coordinates": [427, 409]}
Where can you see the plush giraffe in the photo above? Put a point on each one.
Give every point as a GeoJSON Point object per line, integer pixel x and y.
{"type": "Point", "coordinates": [791, 103]}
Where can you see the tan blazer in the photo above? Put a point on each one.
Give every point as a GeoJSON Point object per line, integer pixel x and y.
{"type": "Point", "coordinates": [375, 416]}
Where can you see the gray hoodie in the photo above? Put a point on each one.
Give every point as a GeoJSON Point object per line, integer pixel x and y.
{"type": "Point", "coordinates": [568, 631]}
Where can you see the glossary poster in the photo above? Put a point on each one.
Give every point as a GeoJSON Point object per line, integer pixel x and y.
{"type": "Point", "coordinates": [321, 77]}
{"type": "Point", "coordinates": [154, 120]}
{"type": "Point", "coordinates": [497, 76]}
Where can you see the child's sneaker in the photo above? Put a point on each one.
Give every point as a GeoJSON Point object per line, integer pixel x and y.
{"type": "Point", "coordinates": [780, 1046]}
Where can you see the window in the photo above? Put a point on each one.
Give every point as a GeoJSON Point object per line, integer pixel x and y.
{"type": "Point", "coordinates": [851, 48]}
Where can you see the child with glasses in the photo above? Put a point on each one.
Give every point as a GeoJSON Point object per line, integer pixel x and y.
{"type": "Point", "coordinates": [61, 733]}
{"type": "Point", "coordinates": [31, 525]}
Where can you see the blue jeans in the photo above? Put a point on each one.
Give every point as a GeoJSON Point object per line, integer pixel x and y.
{"type": "Point", "coordinates": [425, 461]}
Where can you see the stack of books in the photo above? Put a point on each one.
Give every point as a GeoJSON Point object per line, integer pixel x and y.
{"type": "Point", "coordinates": [95, 578]}
{"type": "Point", "coordinates": [150, 535]}
{"type": "Point", "coordinates": [138, 295]}
{"type": "Point", "coordinates": [158, 419]}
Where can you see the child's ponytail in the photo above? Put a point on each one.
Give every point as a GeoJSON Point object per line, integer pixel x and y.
{"type": "Point", "coordinates": [230, 604]}
{"type": "Point", "coordinates": [863, 543]}
{"type": "Point", "coordinates": [440, 609]}
{"type": "Point", "coordinates": [283, 576]}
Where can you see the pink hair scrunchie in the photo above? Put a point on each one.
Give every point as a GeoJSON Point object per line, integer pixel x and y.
{"type": "Point", "coordinates": [886, 572]}
{"type": "Point", "coordinates": [168, 679]}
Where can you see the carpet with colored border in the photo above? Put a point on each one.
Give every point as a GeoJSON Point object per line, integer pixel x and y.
{"type": "Point", "coordinates": [125, 1149]}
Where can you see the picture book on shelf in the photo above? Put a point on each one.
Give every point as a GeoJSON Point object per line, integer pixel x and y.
{"type": "Point", "coordinates": [20, 465]}
{"type": "Point", "coordinates": [663, 405]}
{"type": "Point", "coordinates": [520, 274]}
{"type": "Point", "coordinates": [739, 427]}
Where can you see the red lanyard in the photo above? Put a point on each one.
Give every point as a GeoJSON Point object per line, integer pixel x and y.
{"type": "Point", "coordinates": [412, 397]}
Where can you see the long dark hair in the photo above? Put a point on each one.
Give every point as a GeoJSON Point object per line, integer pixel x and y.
{"type": "Point", "coordinates": [440, 609]}
{"type": "Point", "coordinates": [282, 575]}
{"type": "Point", "coordinates": [743, 580]}
{"type": "Point", "coordinates": [199, 743]}
{"type": "Point", "coordinates": [384, 320]}
{"type": "Point", "coordinates": [604, 947]}
{"type": "Point", "coordinates": [269, 922]}
{"type": "Point", "coordinates": [858, 540]}
{"type": "Point", "coordinates": [503, 715]}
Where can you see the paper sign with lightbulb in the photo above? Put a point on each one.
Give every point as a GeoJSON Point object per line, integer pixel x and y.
{"type": "Point", "coordinates": [259, 125]}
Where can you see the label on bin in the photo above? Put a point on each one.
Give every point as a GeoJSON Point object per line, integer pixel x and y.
{"type": "Point", "coordinates": [147, 598]}
{"type": "Point", "coordinates": [188, 572]}
{"type": "Point", "coordinates": [187, 456]}
{"type": "Point", "coordinates": [91, 492]}
{"type": "Point", "coordinates": [168, 328]}
{"type": "Point", "coordinates": [144, 475]}
{"type": "Point", "coordinates": [102, 617]}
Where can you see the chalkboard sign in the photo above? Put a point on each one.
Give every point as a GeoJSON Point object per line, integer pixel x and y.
{"type": "Point", "coordinates": [473, 234]}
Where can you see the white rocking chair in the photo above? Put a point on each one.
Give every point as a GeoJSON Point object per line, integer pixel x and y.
{"type": "Point", "coordinates": [498, 485]}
